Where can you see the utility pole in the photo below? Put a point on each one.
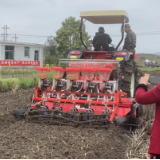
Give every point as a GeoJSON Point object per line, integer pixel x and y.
{"type": "Point", "coordinates": [15, 37]}
{"type": "Point", "coordinates": [5, 32]}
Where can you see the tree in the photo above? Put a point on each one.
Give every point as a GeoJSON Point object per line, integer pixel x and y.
{"type": "Point", "coordinates": [51, 60]}
{"type": "Point", "coordinates": [50, 48]}
{"type": "Point", "coordinates": [68, 37]}
{"type": "Point", "coordinates": [50, 52]}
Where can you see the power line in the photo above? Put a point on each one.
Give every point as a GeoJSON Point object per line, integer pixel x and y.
{"type": "Point", "coordinates": [43, 36]}
{"type": "Point", "coordinates": [32, 35]}
{"type": "Point", "coordinates": [142, 33]}
{"type": "Point", "coordinates": [139, 34]}
{"type": "Point", "coordinates": [15, 37]}
{"type": "Point", "coordinates": [151, 32]}
{"type": "Point", "coordinates": [28, 36]}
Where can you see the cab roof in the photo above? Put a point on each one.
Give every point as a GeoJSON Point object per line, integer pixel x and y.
{"type": "Point", "coordinates": [105, 16]}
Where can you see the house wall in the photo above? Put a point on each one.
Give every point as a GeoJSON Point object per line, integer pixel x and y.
{"type": "Point", "coordinates": [41, 56]}
{"type": "Point", "coordinates": [19, 53]}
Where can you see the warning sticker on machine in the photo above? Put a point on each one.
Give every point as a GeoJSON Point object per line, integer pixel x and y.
{"type": "Point", "coordinates": [119, 58]}
{"type": "Point", "coordinates": [73, 57]}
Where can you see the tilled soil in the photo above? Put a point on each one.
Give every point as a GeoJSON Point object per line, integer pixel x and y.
{"type": "Point", "coordinates": [19, 139]}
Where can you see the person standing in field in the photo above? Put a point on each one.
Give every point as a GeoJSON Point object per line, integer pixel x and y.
{"type": "Point", "coordinates": [130, 40]}
{"type": "Point", "coordinates": [129, 67]}
{"type": "Point", "coordinates": [143, 96]}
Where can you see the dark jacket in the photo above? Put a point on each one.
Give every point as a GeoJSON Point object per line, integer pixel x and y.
{"type": "Point", "coordinates": [149, 97]}
{"type": "Point", "coordinates": [101, 39]}
{"type": "Point", "coordinates": [130, 41]}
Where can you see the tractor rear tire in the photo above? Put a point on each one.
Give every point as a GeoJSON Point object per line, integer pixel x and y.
{"type": "Point", "coordinates": [130, 77]}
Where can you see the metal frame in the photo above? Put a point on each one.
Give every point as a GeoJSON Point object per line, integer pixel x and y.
{"type": "Point", "coordinates": [118, 108]}
{"type": "Point", "coordinates": [122, 30]}
{"type": "Point", "coordinates": [81, 32]}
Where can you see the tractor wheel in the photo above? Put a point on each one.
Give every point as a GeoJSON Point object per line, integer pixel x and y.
{"type": "Point", "coordinates": [20, 113]}
{"type": "Point", "coordinates": [140, 111]}
{"type": "Point", "coordinates": [130, 77]}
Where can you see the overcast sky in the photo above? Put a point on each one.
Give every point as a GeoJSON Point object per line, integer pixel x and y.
{"type": "Point", "coordinates": [44, 17]}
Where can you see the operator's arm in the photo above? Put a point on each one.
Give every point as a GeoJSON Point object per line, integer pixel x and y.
{"type": "Point", "coordinates": [133, 40]}
{"type": "Point", "coordinates": [94, 40]}
{"type": "Point", "coordinates": [109, 39]}
{"type": "Point", "coordinates": [128, 40]}
{"type": "Point", "coordinates": [147, 97]}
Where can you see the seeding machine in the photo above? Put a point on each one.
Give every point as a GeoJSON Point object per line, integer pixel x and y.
{"type": "Point", "coordinates": [85, 92]}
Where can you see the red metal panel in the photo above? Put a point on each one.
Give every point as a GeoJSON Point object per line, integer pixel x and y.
{"type": "Point", "coordinates": [95, 54]}
{"type": "Point", "coordinates": [66, 107]}
{"type": "Point", "coordinates": [121, 53]}
{"type": "Point", "coordinates": [98, 109]}
{"type": "Point", "coordinates": [120, 112]}
{"type": "Point", "coordinates": [75, 52]}
{"type": "Point", "coordinates": [49, 105]}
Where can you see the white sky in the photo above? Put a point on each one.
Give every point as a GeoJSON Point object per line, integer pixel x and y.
{"type": "Point", "coordinates": [44, 17]}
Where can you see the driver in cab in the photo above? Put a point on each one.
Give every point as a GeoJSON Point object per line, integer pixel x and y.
{"type": "Point", "coordinates": [101, 40]}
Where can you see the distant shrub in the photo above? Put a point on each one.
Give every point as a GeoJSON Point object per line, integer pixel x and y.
{"type": "Point", "coordinates": [9, 83]}
{"type": "Point", "coordinates": [28, 82]}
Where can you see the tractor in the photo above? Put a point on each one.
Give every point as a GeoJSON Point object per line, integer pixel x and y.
{"type": "Point", "coordinates": [89, 88]}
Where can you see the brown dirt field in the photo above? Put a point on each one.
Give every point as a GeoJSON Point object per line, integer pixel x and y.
{"type": "Point", "coordinates": [31, 140]}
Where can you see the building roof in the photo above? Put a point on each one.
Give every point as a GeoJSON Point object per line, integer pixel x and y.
{"type": "Point", "coordinates": [105, 16]}
{"type": "Point", "coordinates": [21, 43]}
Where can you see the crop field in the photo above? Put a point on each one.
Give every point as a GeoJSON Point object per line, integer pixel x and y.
{"type": "Point", "coordinates": [72, 79]}
{"type": "Point", "coordinates": [30, 140]}
{"type": "Point", "coordinates": [16, 72]}
{"type": "Point", "coordinates": [13, 79]}
{"type": "Point", "coordinates": [22, 139]}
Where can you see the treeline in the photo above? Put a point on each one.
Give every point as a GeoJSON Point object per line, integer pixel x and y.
{"type": "Point", "coordinates": [66, 39]}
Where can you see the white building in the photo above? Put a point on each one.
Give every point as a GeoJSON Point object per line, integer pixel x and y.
{"type": "Point", "coordinates": [18, 54]}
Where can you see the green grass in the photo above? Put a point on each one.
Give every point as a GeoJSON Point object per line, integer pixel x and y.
{"type": "Point", "coordinates": [50, 77]}
{"type": "Point", "coordinates": [16, 72]}
{"type": "Point", "coordinates": [23, 78]}
{"type": "Point", "coordinates": [147, 69]}
{"type": "Point", "coordinates": [10, 83]}
{"type": "Point", "coordinates": [28, 82]}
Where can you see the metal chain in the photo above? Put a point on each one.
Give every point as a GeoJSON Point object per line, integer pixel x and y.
{"type": "Point", "coordinates": [58, 117]}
